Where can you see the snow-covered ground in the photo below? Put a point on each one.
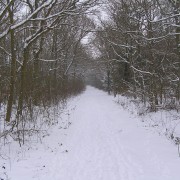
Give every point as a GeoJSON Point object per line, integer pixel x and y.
{"type": "Point", "coordinates": [165, 122]}
{"type": "Point", "coordinates": [96, 140]}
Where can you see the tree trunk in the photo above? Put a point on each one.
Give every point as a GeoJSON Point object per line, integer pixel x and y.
{"type": "Point", "coordinates": [13, 68]}
{"type": "Point", "coordinates": [23, 79]}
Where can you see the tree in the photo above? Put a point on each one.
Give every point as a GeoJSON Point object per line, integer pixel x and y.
{"type": "Point", "coordinates": [142, 38]}
{"type": "Point", "coordinates": [41, 51]}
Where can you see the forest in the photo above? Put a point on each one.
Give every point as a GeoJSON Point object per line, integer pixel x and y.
{"type": "Point", "coordinates": [50, 50]}
{"type": "Point", "coordinates": [140, 49]}
{"type": "Point", "coordinates": [72, 75]}
{"type": "Point", "coordinates": [40, 52]}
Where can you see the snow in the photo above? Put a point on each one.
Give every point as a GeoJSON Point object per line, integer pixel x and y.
{"type": "Point", "coordinates": [95, 140]}
{"type": "Point", "coordinates": [165, 121]}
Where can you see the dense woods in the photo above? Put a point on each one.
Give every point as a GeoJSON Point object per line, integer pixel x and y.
{"type": "Point", "coordinates": [134, 51]}
{"type": "Point", "coordinates": [40, 57]}
{"type": "Point", "coordinates": [53, 125]}
{"type": "Point", "coordinates": [140, 50]}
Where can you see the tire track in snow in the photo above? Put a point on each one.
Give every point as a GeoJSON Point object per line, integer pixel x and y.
{"type": "Point", "coordinates": [103, 143]}
{"type": "Point", "coordinates": [94, 152]}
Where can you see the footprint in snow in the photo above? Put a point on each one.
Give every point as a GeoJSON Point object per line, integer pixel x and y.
{"type": "Point", "coordinates": [66, 151]}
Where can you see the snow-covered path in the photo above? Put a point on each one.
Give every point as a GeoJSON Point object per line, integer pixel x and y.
{"type": "Point", "coordinates": [103, 143]}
